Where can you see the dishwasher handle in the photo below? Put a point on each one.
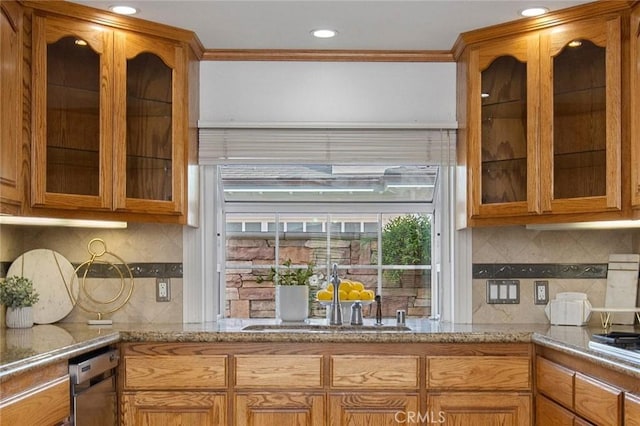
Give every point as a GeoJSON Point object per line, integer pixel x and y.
{"type": "Point", "coordinates": [85, 370]}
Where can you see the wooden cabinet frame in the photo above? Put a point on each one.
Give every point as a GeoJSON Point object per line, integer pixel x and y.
{"type": "Point", "coordinates": [635, 107]}
{"type": "Point", "coordinates": [12, 156]}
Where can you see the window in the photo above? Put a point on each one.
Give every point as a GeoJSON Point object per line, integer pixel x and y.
{"type": "Point", "coordinates": [374, 222]}
{"type": "Point", "coordinates": [330, 150]}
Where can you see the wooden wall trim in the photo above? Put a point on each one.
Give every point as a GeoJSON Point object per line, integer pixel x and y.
{"type": "Point", "coordinates": [327, 55]}
{"type": "Point", "coordinates": [508, 29]}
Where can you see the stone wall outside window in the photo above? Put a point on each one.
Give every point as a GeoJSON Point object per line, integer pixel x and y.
{"type": "Point", "coordinates": [246, 298]}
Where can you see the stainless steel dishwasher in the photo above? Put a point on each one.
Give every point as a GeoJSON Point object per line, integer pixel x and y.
{"type": "Point", "coordinates": [93, 388]}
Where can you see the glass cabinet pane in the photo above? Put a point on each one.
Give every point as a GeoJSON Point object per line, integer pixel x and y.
{"type": "Point", "coordinates": [504, 131]}
{"type": "Point", "coordinates": [579, 121]}
{"type": "Point", "coordinates": [149, 128]}
{"type": "Point", "coordinates": [73, 118]}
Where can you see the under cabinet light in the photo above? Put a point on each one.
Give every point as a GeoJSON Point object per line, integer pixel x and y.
{"type": "Point", "coordinates": [80, 42]}
{"type": "Point", "coordinates": [50, 221]}
{"type": "Point", "coordinates": [575, 43]}
{"type": "Point", "coordinates": [613, 224]}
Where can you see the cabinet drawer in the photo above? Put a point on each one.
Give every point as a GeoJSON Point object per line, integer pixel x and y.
{"type": "Point", "coordinates": [374, 372]}
{"type": "Point", "coordinates": [597, 402]}
{"type": "Point", "coordinates": [555, 381]}
{"type": "Point", "coordinates": [45, 405]}
{"type": "Point", "coordinates": [548, 413]}
{"type": "Point", "coordinates": [175, 372]}
{"type": "Point", "coordinates": [278, 371]}
{"type": "Point", "coordinates": [479, 373]}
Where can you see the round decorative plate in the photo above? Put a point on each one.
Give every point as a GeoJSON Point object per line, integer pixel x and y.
{"type": "Point", "coordinates": [51, 274]}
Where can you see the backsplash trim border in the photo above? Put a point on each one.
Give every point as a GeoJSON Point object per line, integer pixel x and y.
{"type": "Point", "coordinates": [539, 270]}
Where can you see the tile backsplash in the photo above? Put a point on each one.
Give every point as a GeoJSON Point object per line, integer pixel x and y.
{"type": "Point", "coordinates": [150, 250]}
{"type": "Point", "coordinates": [570, 260]}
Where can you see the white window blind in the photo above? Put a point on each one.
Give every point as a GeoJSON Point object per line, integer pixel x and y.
{"type": "Point", "coordinates": [326, 146]}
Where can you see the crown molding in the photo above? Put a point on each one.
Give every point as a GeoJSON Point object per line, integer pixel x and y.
{"type": "Point", "coordinates": [327, 55]}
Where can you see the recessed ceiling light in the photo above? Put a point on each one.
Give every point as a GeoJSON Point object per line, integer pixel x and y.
{"type": "Point", "coordinates": [534, 11]}
{"type": "Point", "coordinates": [123, 10]}
{"type": "Point", "coordinates": [324, 33]}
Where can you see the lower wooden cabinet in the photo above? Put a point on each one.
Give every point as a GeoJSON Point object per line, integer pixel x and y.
{"type": "Point", "coordinates": [38, 398]}
{"type": "Point", "coordinates": [486, 408]}
{"type": "Point", "coordinates": [279, 408]}
{"type": "Point", "coordinates": [573, 391]}
{"type": "Point", "coordinates": [314, 384]}
{"type": "Point", "coordinates": [364, 409]}
{"type": "Point", "coordinates": [174, 408]}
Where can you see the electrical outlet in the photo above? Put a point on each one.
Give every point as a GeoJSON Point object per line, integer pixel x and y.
{"type": "Point", "coordinates": [163, 289]}
{"type": "Point", "coordinates": [541, 292]}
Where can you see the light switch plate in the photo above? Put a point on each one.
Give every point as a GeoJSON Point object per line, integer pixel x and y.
{"type": "Point", "coordinates": [541, 292]}
{"type": "Point", "coordinates": [503, 291]}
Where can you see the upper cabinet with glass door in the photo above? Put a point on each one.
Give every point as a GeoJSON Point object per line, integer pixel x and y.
{"type": "Point", "coordinates": [149, 120]}
{"type": "Point", "coordinates": [543, 119]}
{"type": "Point", "coordinates": [72, 114]}
{"type": "Point", "coordinates": [503, 82]}
{"type": "Point", "coordinates": [580, 113]}
{"type": "Point", "coordinates": [111, 117]}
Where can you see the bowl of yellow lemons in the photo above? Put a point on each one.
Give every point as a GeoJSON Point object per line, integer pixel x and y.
{"type": "Point", "coordinates": [349, 291]}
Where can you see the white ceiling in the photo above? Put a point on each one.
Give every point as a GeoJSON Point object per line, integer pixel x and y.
{"type": "Point", "coordinates": [362, 25]}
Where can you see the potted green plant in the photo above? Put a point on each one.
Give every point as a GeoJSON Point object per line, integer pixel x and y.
{"type": "Point", "coordinates": [19, 296]}
{"type": "Point", "coordinates": [292, 290]}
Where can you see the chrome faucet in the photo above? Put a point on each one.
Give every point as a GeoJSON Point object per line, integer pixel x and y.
{"type": "Point", "coordinates": [378, 310]}
{"type": "Point", "coordinates": [335, 309]}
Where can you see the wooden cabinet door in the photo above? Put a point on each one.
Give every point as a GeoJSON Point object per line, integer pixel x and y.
{"type": "Point", "coordinates": [173, 408]}
{"type": "Point", "coordinates": [150, 122]}
{"type": "Point", "coordinates": [72, 90]}
{"type": "Point", "coordinates": [635, 107]}
{"type": "Point", "coordinates": [597, 401]}
{"type": "Point", "coordinates": [363, 409]}
{"type": "Point", "coordinates": [555, 381]}
{"type": "Point", "coordinates": [548, 413]}
{"type": "Point", "coordinates": [279, 408]}
{"type": "Point", "coordinates": [487, 409]}
{"type": "Point", "coordinates": [11, 155]}
{"type": "Point", "coordinates": [48, 404]}
{"type": "Point", "coordinates": [631, 410]}
{"type": "Point", "coordinates": [503, 128]}
{"type": "Point", "coordinates": [580, 109]}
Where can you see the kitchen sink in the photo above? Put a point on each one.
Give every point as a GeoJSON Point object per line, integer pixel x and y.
{"type": "Point", "coordinates": [321, 328]}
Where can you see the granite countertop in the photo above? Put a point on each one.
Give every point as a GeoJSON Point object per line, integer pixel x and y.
{"type": "Point", "coordinates": [25, 349]}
